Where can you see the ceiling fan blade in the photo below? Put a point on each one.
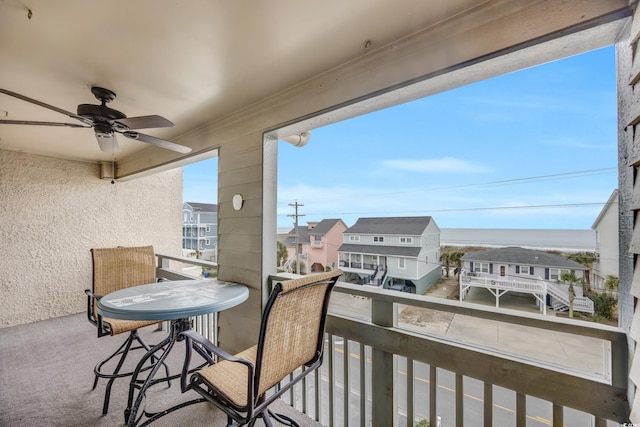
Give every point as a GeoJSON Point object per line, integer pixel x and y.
{"type": "Point", "coordinates": [157, 142]}
{"type": "Point", "coordinates": [28, 122]}
{"type": "Point", "coordinates": [145, 122]}
{"type": "Point", "coordinates": [107, 142]}
{"type": "Point", "coordinates": [42, 104]}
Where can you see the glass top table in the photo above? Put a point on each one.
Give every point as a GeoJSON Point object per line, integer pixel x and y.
{"type": "Point", "coordinates": [177, 301]}
{"type": "Point", "coordinates": [172, 300]}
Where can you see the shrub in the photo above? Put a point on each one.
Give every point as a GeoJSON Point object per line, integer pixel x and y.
{"type": "Point", "coordinates": [611, 283]}
{"type": "Point", "coordinates": [603, 304]}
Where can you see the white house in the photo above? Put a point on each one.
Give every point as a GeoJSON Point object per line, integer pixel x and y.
{"type": "Point", "coordinates": [393, 250]}
{"type": "Point", "coordinates": [200, 230]}
{"type": "Point", "coordinates": [514, 269]}
{"type": "Point", "coordinates": [606, 228]}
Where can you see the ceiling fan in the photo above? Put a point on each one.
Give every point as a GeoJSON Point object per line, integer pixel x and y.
{"type": "Point", "coordinates": [105, 121]}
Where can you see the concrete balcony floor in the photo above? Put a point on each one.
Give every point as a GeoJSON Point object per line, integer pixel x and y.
{"type": "Point", "coordinates": [46, 375]}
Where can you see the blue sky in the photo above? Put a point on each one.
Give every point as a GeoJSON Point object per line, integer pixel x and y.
{"type": "Point", "coordinates": [531, 149]}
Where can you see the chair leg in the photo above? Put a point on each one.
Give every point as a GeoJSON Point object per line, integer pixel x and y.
{"type": "Point", "coordinates": [122, 351]}
{"type": "Point", "coordinates": [282, 419]}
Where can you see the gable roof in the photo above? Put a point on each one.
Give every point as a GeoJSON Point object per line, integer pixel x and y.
{"type": "Point", "coordinates": [612, 203]}
{"type": "Point", "coordinates": [202, 207]}
{"type": "Point", "coordinates": [303, 236]}
{"type": "Point", "coordinates": [409, 225]}
{"type": "Point", "coordinates": [515, 255]}
{"type": "Point", "coordinates": [324, 226]}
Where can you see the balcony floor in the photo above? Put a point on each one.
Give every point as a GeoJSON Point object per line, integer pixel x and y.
{"type": "Point", "coordinates": [46, 375]}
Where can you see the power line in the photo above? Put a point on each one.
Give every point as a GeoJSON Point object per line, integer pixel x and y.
{"type": "Point", "coordinates": [511, 181]}
{"type": "Point", "coordinates": [497, 208]}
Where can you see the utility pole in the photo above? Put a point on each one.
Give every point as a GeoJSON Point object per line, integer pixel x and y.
{"type": "Point", "coordinates": [296, 215]}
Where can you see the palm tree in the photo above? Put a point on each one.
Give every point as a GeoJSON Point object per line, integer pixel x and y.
{"type": "Point", "coordinates": [282, 253]}
{"type": "Point", "coordinates": [571, 278]}
{"type": "Point", "coordinates": [456, 258]}
{"type": "Point", "coordinates": [446, 259]}
{"type": "Point", "coordinates": [587, 259]}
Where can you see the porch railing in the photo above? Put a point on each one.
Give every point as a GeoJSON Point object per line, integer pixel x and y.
{"type": "Point", "coordinates": [378, 373]}
{"type": "Point", "coordinates": [169, 267]}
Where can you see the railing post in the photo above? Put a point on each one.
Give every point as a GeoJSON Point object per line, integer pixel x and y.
{"type": "Point", "coordinates": [383, 364]}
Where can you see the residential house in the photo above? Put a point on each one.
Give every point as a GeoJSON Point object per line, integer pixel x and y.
{"type": "Point", "coordinates": [607, 241]}
{"type": "Point", "coordinates": [312, 73]}
{"type": "Point", "coordinates": [515, 269]}
{"type": "Point", "coordinates": [393, 250]}
{"type": "Point", "coordinates": [314, 246]}
{"type": "Point", "coordinates": [200, 230]}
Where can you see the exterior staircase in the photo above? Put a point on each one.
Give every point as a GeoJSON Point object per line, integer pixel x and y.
{"type": "Point", "coordinates": [560, 300]}
{"type": "Point", "coordinates": [377, 279]}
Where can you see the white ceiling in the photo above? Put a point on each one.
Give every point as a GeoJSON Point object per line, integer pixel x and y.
{"type": "Point", "coordinates": [189, 61]}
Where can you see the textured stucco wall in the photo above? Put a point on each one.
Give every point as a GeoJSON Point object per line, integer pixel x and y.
{"type": "Point", "coordinates": [52, 212]}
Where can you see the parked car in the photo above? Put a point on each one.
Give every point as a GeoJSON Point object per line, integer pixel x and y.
{"type": "Point", "coordinates": [400, 287]}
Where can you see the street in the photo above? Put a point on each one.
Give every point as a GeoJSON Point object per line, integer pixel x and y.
{"type": "Point", "coordinates": [539, 413]}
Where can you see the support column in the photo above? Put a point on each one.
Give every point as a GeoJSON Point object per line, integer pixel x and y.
{"type": "Point", "coordinates": [383, 366]}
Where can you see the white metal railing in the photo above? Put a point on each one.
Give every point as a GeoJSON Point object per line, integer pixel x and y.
{"type": "Point", "coordinates": [170, 267]}
{"type": "Point", "coordinates": [583, 304]}
{"type": "Point", "coordinates": [538, 286]}
{"type": "Point", "coordinates": [425, 376]}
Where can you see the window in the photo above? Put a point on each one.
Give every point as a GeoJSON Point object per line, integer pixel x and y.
{"type": "Point", "coordinates": [401, 263]}
{"type": "Point", "coordinates": [185, 217]}
{"type": "Point", "coordinates": [378, 239]}
{"type": "Point", "coordinates": [406, 240]}
{"type": "Point", "coordinates": [481, 267]}
{"type": "Point", "coordinates": [208, 242]}
{"type": "Point", "coordinates": [208, 228]}
{"type": "Point", "coordinates": [354, 238]}
{"type": "Point", "coordinates": [524, 269]}
{"type": "Point", "coordinates": [556, 273]}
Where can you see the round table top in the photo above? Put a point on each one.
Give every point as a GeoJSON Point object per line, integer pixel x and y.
{"type": "Point", "coordinates": [172, 300]}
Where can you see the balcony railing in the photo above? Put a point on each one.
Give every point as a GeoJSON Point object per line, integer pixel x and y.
{"type": "Point", "coordinates": [171, 267]}
{"type": "Point", "coordinates": [420, 374]}
{"type": "Point", "coordinates": [453, 381]}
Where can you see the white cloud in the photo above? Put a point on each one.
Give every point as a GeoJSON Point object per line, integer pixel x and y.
{"type": "Point", "coordinates": [442, 165]}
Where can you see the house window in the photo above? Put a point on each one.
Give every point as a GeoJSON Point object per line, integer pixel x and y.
{"type": "Point", "coordinates": [406, 240]}
{"type": "Point", "coordinates": [208, 228]}
{"type": "Point", "coordinates": [208, 242]}
{"type": "Point", "coordinates": [525, 269]}
{"type": "Point", "coordinates": [185, 218]}
{"type": "Point", "coordinates": [354, 238]}
{"type": "Point", "coordinates": [481, 267]}
{"type": "Point", "coordinates": [401, 263]}
{"type": "Point", "coordinates": [556, 273]}
{"type": "Point", "coordinates": [378, 238]}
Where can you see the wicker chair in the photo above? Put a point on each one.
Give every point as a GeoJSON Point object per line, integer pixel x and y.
{"type": "Point", "coordinates": [115, 269]}
{"type": "Point", "coordinates": [291, 337]}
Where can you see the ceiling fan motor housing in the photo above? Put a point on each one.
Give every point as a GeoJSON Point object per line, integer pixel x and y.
{"type": "Point", "coordinates": [99, 113]}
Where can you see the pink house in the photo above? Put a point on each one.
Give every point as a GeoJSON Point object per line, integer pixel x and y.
{"type": "Point", "coordinates": [317, 245]}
